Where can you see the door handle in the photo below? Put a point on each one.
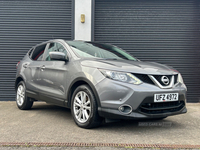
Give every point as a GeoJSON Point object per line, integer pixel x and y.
{"type": "Point", "coordinates": [25, 65]}
{"type": "Point", "coordinates": [42, 68]}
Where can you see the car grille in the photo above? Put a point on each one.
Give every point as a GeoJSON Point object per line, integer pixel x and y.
{"type": "Point", "coordinates": [160, 108]}
{"type": "Point", "coordinates": [175, 78]}
{"type": "Point", "coordinates": [146, 79]}
{"type": "Point", "coordinates": [158, 78]}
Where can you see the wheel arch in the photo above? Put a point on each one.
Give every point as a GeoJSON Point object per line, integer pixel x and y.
{"type": "Point", "coordinates": [77, 82]}
{"type": "Point", "coordinates": [18, 79]}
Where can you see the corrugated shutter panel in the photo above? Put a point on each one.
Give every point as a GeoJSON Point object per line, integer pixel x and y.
{"type": "Point", "coordinates": [163, 31]}
{"type": "Point", "coordinates": [24, 23]}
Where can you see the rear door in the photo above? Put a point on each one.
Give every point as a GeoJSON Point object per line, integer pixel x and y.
{"type": "Point", "coordinates": [52, 75]}
{"type": "Point", "coordinates": [32, 71]}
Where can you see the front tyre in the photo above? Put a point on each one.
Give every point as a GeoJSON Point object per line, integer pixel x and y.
{"type": "Point", "coordinates": [23, 102]}
{"type": "Point", "coordinates": [84, 108]}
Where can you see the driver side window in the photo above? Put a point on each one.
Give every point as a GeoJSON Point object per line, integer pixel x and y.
{"type": "Point", "coordinates": [54, 47]}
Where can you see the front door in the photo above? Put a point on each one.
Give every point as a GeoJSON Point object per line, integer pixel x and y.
{"type": "Point", "coordinates": [52, 74]}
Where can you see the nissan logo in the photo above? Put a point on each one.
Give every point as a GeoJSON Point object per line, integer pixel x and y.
{"type": "Point", "coordinates": [165, 80]}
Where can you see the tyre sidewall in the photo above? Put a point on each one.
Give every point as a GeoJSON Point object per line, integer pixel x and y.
{"type": "Point", "coordinates": [25, 97]}
{"type": "Point", "coordinates": [87, 90]}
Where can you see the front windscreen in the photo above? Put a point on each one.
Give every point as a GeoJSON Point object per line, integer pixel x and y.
{"type": "Point", "coordinates": [98, 50]}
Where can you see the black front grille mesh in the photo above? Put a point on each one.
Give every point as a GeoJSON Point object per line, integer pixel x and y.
{"type": "Point", "coordinates": [175, 78]}
{"type": "Point", "coordinates": [144, 78]}
{"type": "Point", "coordinates": [163, 107]}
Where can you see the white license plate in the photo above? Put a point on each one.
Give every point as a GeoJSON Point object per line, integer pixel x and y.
{"type": "Point", "coordinates": [166, 97]}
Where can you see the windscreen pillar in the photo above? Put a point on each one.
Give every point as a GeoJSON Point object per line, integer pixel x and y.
{"type": "Point", "coordinates": [83, 17]}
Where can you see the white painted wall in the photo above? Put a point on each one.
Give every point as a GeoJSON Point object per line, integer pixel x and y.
{"type": "Point", "coordinates": [83, 30]}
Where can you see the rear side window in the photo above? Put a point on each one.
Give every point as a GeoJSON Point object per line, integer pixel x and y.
{"type": "Point", "coordinates": [38, 52]}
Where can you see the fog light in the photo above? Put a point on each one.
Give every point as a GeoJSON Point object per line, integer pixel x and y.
{"type": "Point", "coordinates": [125, 109]}
{"type": "Point", "coordinates": [121, 108]}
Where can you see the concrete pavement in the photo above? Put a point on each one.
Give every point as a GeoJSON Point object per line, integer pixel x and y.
{"type": "Point", "coordinates": [49, 123]}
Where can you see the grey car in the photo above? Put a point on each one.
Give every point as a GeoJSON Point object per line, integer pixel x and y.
{"type": "Point", "coordinates": [98, 81]}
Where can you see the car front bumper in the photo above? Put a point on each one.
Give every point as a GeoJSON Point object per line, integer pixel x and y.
{"type": "Point", "coordinates": [140, 98]}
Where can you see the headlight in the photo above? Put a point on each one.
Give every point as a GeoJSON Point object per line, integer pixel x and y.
{"type": "Point", "coordinates": [180, 79]}
{"type": "Point", "coordinates": [121, 76]}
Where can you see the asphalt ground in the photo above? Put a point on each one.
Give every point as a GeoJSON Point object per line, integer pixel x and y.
{"type": "Point", "coordinates": [52, 124]}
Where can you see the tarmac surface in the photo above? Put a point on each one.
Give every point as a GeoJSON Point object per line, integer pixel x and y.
{"type": "Point", "coordinates": [49, 123]}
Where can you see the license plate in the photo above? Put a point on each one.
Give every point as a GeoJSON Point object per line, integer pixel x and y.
{"type": "Point", "coordinates": [166, 97]}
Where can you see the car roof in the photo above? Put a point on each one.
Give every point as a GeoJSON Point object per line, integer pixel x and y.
{"type": "Point", "coordinates": [62, 40]}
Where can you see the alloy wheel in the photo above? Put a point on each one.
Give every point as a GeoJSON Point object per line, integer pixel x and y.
{"type": "Point", "coordinates": [82, 107]}
{"type": "Point", "coordinates": [20, 95]}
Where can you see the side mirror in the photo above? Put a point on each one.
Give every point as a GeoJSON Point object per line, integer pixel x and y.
{"type": "Point", "coordinates": [58, 56]}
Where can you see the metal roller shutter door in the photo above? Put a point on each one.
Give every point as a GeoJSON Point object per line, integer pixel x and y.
{"type": "Point", "coordinates": [163, 31]}
{"type": "Point", "coordinates": [24, 23]}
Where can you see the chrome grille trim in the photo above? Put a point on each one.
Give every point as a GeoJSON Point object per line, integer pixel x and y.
{"type": "Point", "coordinates": [161, 86]}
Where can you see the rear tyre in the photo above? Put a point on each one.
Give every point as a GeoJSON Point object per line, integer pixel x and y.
{"type": "Point", "coordinates": [23, 102]}
{"type": "Point", "coordinates": [84, 108]}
